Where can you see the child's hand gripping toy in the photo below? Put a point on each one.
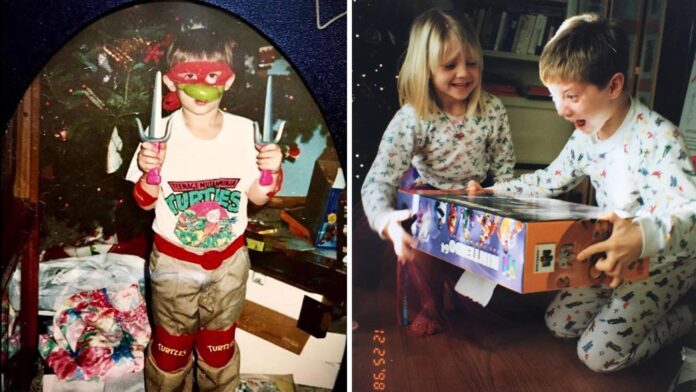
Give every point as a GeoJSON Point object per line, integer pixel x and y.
{"type": "Point", "coordinates": [153, 177]}
{"type": "Point", "coordinates": [279, 67]}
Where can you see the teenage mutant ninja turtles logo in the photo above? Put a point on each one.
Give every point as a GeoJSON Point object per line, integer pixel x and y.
{"type": "Point", "coordinates": [206, 211]}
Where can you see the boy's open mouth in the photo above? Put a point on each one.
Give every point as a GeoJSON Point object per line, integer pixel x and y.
{"type": "Point", "coordinates": [579, 123]}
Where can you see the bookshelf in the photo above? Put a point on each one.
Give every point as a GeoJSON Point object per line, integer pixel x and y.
{"type": "Point", "coordinates": [512, 35]}
{"type": "Point", "coordinates": [650, 45]}
{"type": "Point", "coordinates": [510, 55]}
{"type": "Point", "coordinates": [521, 102]}
{"type": "Point", "coordinates": [516, 26]}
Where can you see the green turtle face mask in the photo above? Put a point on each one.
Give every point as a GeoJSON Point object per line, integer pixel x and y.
{"type": "Point", "coordinates": [202, 92]}
{"type": "Point", "coordinates": [201, 80]}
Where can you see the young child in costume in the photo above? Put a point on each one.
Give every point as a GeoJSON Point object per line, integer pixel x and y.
{"type": "Point", "coordinates": [639, 166]}
{"type": "Point", "coordinates": [209, 170]}
{"type": "Point", "coordinates": [447, 132]}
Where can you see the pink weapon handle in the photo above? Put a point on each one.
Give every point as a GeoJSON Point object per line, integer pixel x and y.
{"type": "Point", "coordinates": [266, 177]}
{"type": "Point", "coordinates": [153, 176]}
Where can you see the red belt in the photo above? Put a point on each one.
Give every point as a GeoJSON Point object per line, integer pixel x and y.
{"type": "Point", "coordinates": [209, 260]}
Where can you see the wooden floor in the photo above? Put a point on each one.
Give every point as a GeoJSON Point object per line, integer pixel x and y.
{"type": "Point", "coordinates": [503, 347]}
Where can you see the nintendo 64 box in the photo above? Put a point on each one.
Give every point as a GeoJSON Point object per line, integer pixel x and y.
{"type": "Point", "coordinates": [525, 244]}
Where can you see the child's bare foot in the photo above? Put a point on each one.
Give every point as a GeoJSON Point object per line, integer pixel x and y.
{"type": "Point", "coordinates": [424, 325]}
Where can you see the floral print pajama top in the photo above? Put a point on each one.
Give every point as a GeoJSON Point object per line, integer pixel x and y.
{"type": "Point", "coordinates": [446, 151]}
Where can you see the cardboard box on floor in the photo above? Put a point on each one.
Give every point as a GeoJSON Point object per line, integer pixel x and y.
{"type": "Point", "coordinates": [525, 244]}
{"type": "Point", "coordinates": [317, 219]}
{"type": "Point", "coordinates": [272, 343]}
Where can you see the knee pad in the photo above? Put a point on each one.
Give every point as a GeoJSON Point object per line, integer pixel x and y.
{"type": "Point", "coordinates": [216, 348]}
{"type": "Point", "coordinates": [171, 352]}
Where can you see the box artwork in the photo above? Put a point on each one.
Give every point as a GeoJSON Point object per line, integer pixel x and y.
{"type": "Point", "coordinates": [525, 244]}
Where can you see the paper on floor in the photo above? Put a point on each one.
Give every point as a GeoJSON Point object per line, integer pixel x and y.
{"type": "Point", "coordinates": [686, 377]}
{"type": "Point", "coordinates": [476, 287]}
{"type": "Point", "coordinates": [131, 382]}
{"type": "Point", "coordinates": [51, 383]}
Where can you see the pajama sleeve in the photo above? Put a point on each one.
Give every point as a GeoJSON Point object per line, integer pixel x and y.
{"type": "Point", "coordinates": [669, 192]}
{"type": "Point", "coordinates": [399, 142]}
{"type": "Point", "coordinates": [563, 174]}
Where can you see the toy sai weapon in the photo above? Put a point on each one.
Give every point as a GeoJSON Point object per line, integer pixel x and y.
{"type": "Point", "coordinates": [279, 67]}
{"type": "Point", "coordinates": [153, 177]}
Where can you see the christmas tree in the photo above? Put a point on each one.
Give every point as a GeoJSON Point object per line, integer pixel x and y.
{"type": "Point", "coordinates": [95, 87]}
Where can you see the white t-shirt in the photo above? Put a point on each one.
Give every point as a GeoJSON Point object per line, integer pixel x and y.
{"type": "Point", "coordinates": [622, 184]}
{"type": "Point", "coordinates": [203, 194]}
{"type": "Point", "coordinates": [642, 171]}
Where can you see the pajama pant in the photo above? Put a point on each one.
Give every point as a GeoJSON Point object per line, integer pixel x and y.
{"type": "Point", "coordinates": [622, 327]}
{"type": "Point", "coordinates": [195, 308]}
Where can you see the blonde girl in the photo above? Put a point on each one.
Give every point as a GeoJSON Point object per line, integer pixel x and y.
{"type": "Point", "coordinates": [447, 132]}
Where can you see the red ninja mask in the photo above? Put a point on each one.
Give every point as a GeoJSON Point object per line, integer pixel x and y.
{"type": "Point", "coordinates": [196, 78]}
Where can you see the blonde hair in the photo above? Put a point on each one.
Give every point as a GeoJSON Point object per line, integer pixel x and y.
{"type": "Point", "coordinates": [587, 48]}
{"type": "Point", "coordinates": [200, 45]}
{"type": "Point", "coordinates": [435, 35]}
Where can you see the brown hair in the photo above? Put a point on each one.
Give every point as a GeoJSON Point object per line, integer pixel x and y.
{"type": "Point", "coordinates": [587, 48]}
{"type": "Point", "coordinates": [200, 45]}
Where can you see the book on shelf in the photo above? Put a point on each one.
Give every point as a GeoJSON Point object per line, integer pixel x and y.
{"type": "Point", "coordinates": [480, 16]}
{"type": "Point", "coordinates": [516, 29]}
{"type": "Point", "coordinates": [524, 31]}
{"type": "Point", "coordinates": [571, 7]}
{"type": "Point", "coordinates": [596, 6]}
{"type": "Point", "coordinates": [510, 32]}
{"type": "Point", "coordinates": [502, 29]}
{"type": "Point", "coordinates": [501, 90]}
{"type": "Point", "coordinates": [538, 92]}
{"type": "Point", "coordinates": [551, 33]}
{"type": "Point", "coordinates": [516, 37]}
{"type": "Point", "coordinates": [533, 35]}
{"type": "Point", "coordinates": [535, 44]}
{"type": "Point", "coordinates": [490, 28]}
{"type": "Point", "coordinates": [552, 25]}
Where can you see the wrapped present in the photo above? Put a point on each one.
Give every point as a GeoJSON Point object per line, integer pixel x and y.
{"type": "Point", "coordinates": [525, 244]}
